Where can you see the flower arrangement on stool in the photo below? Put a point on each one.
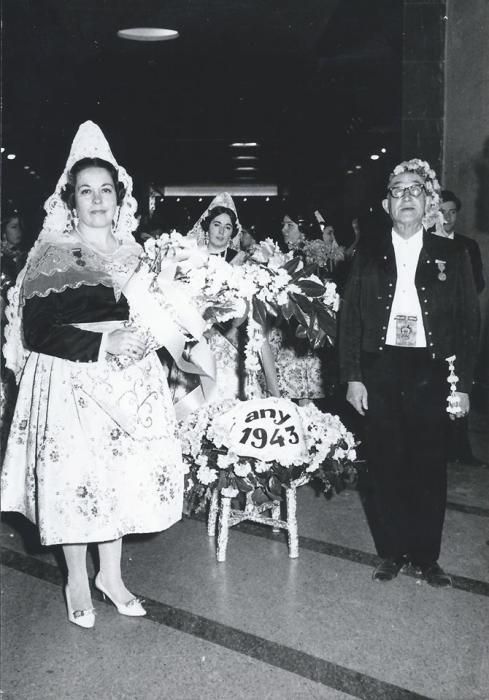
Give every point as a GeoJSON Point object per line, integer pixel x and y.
{"type": "Point", "coordinates": [246, 457]}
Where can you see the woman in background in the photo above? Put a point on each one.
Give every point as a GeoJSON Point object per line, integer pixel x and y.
{"type": "Point", "coordinates": [301, 372]}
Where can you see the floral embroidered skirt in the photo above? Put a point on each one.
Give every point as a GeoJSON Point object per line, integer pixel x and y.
{"type": "Point", "coordinates": [299, 370]}
{"type": "Point", "coordinates": [92, 453]}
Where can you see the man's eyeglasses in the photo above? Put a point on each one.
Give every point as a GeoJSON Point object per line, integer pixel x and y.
{"type": "Point", "coordinates": [399, 191]}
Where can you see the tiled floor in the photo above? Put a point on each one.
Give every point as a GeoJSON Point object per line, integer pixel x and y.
{"type": "Point", "coordinates": [261, 625]}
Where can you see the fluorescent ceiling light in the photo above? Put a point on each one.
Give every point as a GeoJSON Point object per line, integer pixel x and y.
{"type": "Point", "coordinates": [253, 189]}
{"type": "Point", "coordinates": [11, 156]}
{"type": "Point", "coordinates": [244, 144]}
{"type": "Point", "coordinates": [147, 34]}
{"type": "Point", "coordinates": [245, 167]}
{"type": "Point", "coordinates": [245, 157]}
{"type": "Point", "coordinates": [374, 156]}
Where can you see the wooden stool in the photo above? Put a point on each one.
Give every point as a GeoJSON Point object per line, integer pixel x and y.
{"type": "Point", "coordinates": [220, 512]}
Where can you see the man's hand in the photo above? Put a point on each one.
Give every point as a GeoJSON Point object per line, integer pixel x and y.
{"type": "Point", "coordinates": [464, 405]}
{"type": "Point", "coordinates": [357, 395]}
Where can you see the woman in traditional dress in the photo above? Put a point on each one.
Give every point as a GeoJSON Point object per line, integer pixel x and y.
{"type": "Point", "coordinates": [300, 371]}
{"type": "Point", "coordinates": [218, 230]}
{"type": "Point", "coordinates": [92, 453]}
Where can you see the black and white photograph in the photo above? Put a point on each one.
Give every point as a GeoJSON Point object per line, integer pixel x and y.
{"type": "Point", "coordinates": [244, 406]}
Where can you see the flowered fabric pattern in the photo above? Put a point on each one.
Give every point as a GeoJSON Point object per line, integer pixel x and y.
{"type": "Point", "coordinates": [300, 371]}
{"type": "Point", "coordinates": [92, 453]}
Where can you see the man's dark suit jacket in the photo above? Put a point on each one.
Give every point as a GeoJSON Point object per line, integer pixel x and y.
{"type": "Point", "coordinates": [447, 297]}
{"type": "Point", "coordinates": [475, 258]}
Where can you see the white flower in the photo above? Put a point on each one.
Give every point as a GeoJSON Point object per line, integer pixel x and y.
{"type": "Point", "coordinates": [261, 467]}
{"type": "Point", "coordinates": [242, 469]}
{"type": "Point", "coordinates": [224, 461]}
{"type": "Point", "coordinates": [206, 476]}
{"type": "Point", "coordinates": [229, 492]}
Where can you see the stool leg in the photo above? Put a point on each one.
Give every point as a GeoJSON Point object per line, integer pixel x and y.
{"type": "Point", "coordinates": [276, 515]}
{"type": "Point", "coordinates": [212, 519]}
{"type": "Point", "coordinates": [293, 534]}
{"type": "Point", "coordinates": [223, 528]}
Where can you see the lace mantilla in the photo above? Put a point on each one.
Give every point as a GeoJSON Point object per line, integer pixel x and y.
{"type": "Point", "coordinates": [73, 264]}
{"type": "Point", "coordinates": [223, 199]}
{"type": "Point", "coordinates": [45, 273]}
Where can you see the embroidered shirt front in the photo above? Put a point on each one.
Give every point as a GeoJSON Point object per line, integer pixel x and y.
{"type": "Point", "coordinates": [405, 304]}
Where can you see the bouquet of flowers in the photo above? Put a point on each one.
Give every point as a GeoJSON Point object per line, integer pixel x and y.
{"type": "Point", "coordinates": [284, 287]}
{"type": "Point", "coordinates": [322, 254]}
{"type": "Point", "coordinates": [178, 291]}
{"type": "Point", "coordinates": [329, 458]}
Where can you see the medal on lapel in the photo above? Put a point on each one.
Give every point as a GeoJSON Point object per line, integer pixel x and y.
{"type": "Point", "coordinates": [441, 264]}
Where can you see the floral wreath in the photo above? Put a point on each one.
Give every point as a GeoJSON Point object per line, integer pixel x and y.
{"type": "Point", "coordinates": [211, 464]}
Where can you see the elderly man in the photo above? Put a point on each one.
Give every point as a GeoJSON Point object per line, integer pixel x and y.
{"type": "Point", "coordinates": [409, 304]}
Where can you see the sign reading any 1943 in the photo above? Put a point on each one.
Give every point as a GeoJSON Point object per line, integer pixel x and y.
{"type": "Point", "coordinates": [267, 429]}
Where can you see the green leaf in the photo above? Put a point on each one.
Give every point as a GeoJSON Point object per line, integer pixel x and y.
{"type": "Point", "coordinates": [274, 487]}
{"type": "Point", "coordinates": [299, 315]}
{"type": "Point", "coordinates": [291, 265]}
{"type": "Point", "coordinates": [287, 310]}
{"type": "Point", "coordinates": [304, 272]}
{"type": "Point", "coordinates": [326, 320]}
{"type": "Point", "coordinates": [259, 311]}
{"type": "Point", "coordinates": [243, 485]}
{"type": "Point", "coordinates": [310, 288]}
{"type": "Point", "coordinates": [304, 303]}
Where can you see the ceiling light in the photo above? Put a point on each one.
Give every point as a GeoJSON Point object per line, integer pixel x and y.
{"type": "Point", "coordinates": [27, 167]}
{"type": "Point", "coordinates": [358, 167]}
{"type": "Point", "coordinates": [245, 167]}
{"type": "Point", "coordinates": [3, 149]}
{"type": "Point", "coordinates": [383, 150]}
{"type": "Point", "coordinates": [11, 156]}
{"type": "Point", "coordinates": [349, 172]}
{"type": "Point", "coordinates": [244, 144]}
{"type": "Point", "coordinates": [245, 157]}
{"type": "Point", "coordinates": [253, 189]}
{"type": "Point", "coordinates": [147, 34]}
{"type": "Point", "coordinates": [374, 156]}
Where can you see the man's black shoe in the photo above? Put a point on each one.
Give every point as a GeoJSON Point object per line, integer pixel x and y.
{"type": "Point", "coordinates": [387, 569]}
{"type": "Point", "coordinates": [434, 575]}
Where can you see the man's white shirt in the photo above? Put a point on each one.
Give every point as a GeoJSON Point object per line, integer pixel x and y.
{"type": "Point", "coordinates": [406, 301]}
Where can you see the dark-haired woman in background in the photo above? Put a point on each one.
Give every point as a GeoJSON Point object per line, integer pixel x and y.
{"type": "Point", "coordinates": [92, 454]}
{"type": "Point", "coordinates": [303, 374]}
{"type": "Point", "coordinates": [219, 230]}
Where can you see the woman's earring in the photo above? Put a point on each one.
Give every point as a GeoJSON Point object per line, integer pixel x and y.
{"type": "Point", "coordinates": [206, 238]}
{"type": "Point", "coordinates": [74, 218]}
{"type": "Point", "coordinates": [115, 220]}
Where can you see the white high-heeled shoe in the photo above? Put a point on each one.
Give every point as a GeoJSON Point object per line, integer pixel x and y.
{"type": "Point", "coordinates": [82, 618]}
{"type": "Point", "coordinates": [132, 608]}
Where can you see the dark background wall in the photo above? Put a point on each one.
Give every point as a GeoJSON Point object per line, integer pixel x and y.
{"type": "Point", "coordinates": [466, 135]}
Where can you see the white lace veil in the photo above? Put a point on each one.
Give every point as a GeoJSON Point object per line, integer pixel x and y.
{"type": "Point", "coordinates": [89, 142]}
{"type": "Point", "coordinates": [223, 199]}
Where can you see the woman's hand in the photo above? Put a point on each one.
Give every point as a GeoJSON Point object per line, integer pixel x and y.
{"type": "Point", "coordinates": [126, 341]}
